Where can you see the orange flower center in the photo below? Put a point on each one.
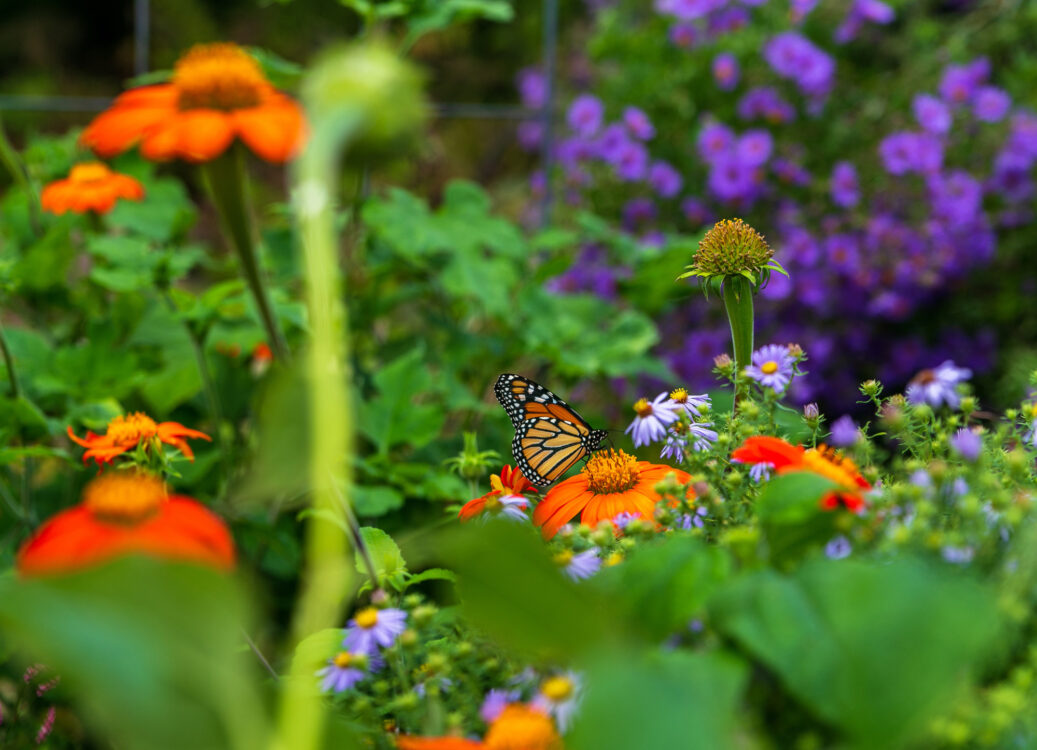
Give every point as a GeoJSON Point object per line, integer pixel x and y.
{"type": "Point", "coordinates": [680, 395]}
{"type": "Point", "coordinates": [367, 618]}
{"type": "Point", "coordinates": [830, 464]}
{"type": "Point", "coordinates": [769, 368]}
{"type": "Point", "coordinates": [642, 407]}
{"type": "Point", "coordinates": [522, 728]}
{"type": "Point", "coordinates": [218, 76]}
{"type": "Point", "coordinates": [131, 429]}
{"type": "Point", "coordinates": [343, 659]}
{"type": "Point", "coordinates": [91, 171]}
{"type": "Point", "coordinates": [125, 497]}
{"type": "Point", "coordinates": [557, 689]}
{"type": "Point", "coordinates": [611, 471]}
{"type": "Point", "coordinates": [563, 558]}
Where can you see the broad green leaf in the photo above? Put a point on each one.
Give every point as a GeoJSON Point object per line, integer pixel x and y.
{"type": "Point", "coordinates": [377, 500]}
{"type": "Point", "coordinates": [385, 554]}
{"type": "Point", "coordinates": [432, 574]}
{"type": "Point", "coordinates": [793, 498]}
{"type": "Point", "coordinates": [392, 417]}
{"type": "Point", "coordinates": [171, 386]}
{"type": "Point", "coordinates": [166, 212]}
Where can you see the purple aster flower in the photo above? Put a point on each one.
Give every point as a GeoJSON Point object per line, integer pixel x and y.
{"type": "Point", "coordinates": [932, 113]}
{"type": "Point", "coordinates": [957, 198]}
{"type": "Point", "coordinates": [959, 82]}
{"type": "Point", "coordinates": [991, 104]}
{"type": "Point", "coordinates": [372, 627]}
{"type": "Point", "coordinates": [637, 212]}
{"type": "Point", "coordinates": [559, 697]}
{"type": "Point", "coordinates": [664, 179]}
{"type": "Point", "coordinates": [793, 56]}
{"type": "Point", "coordinates": [838, 548]}
{"type": "Point", "coordinates": [845, 188]}
{"type": "Point", "coordinates": [345, 669]}
{"type": "Point", "coordinates": [761, 472]}
{"type": "Point", "coordinates": [845, 432]}
{"type": "Point", "coordinates": [530, 135]}
{"type": "Point", "coordinates": [652, 419]}
{"type": "Point", "coordinates": [790, 172]}
{"type": "Point", "coordinates": [765, 102]}
{"type": "Point", "coordinates": [958, 555]}
{"type": "Point", "coordinates": [680, 400]}
{"type": "Point", "coordinates": [611, 141]}
{"type": "Point", "coordinates": [714, 140]}
{"type": "Point", "coordinates": [631, 161]}
{"type": "Point", "coordinates": [532, 86]}
{"type": "Point", "coordinates": [687, 10]}
{"type": "Point", "coordinates": [726, 20]}
{"type": "Point", "coordinates": [800, 9]}
{"type": "Point", "coordinates": [622, 520]}
{"type": "Point", "coordinates": [874, 11]}
{"type": "Point", "coordinates": [676, 443]}
{"type": "Point", "coordinates": [585, 115]}
{"type": "Point", "coordinates": [495, 701]}
{"type": "Point", "coordinates": [725, 71]}
{"type": "Point", "coordinates": [754, 147]}
{"type": "Point", "coordinates": [701, 435]}
{"type": "Point", "coordinates": [967, 444]}
{"type": "Point", "coordinates": [637, 122]}
{"type": "Point", "coordinates": [695, 211]}
{"type": "Point", "coordinates": [1031, 436]}
{"type": "Point", "coordinates": [694, 520]}
{"type": "Point", "coordinates": [684, 35]}
{"type": "Point", "coordinates": [906, 152]}
{"type": "Point", "coordinates": [731, 179]}
{"type": "Point", "coordinates": [580, 565]}
{"type": "Point", "coordinates": [938, 387]}
{"type": "Point", "coordinates": [1022, 138]}
{"type": "Point", "coordinates": [772, 367]}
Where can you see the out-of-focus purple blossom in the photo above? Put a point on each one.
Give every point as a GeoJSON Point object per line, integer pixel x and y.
{"type": "Point", "coordinates": [800, 9]}
{"type": "Point", "coordinates": [344, 670]}
{"type": "Point", "coordinates": [572, 151]}
{"type": "Point", "coordinates": [1011, 180]}
{"type": "Point", "coordinates": [374, 627]}
{"type": "Point", "coordinates": [967, 444]}
{"type": "Point", "coordinates": [684, 35]}
{"type": "Point", "coordinates": [585, 115]}
{"type": "Point", "coordinates": [675, 445]}
{"type": "Point", "coordinates": [589, 273]}
{"type": "Point", "coordinates": [495, 701]}
{"type": "Point", "coordinates": [845, 187]}
{"type": "Point", "coordinates": [638, 124]}
{"type": "Point", "coordinates": [754, 147]}
{"type": "Point", "coordinates": [637, 212]}
{"type": "Point", "coordinates": [631, 161]}
{"type": "Point", "coordinates": [1031, 436]}
{"type": "Point", "coordinates": [842, 251]}
{"type": "Point", "coordinates": [791, 172]}
{"type": "Point", "coordinates": [622, 520]}
{"type": "Point", "coordinates": [612, 139]}
{"type": "Point", "coordinates": [845, 432]}
{"type": "Point", "coordinates": [801, 249]}
{"type": "Point", "coordinates": [688, 10]}
{"type": "Point", "coordinates": [532, 86]}
{"type": "Point", "coordinates": [778, 287]}
{"type": "Point", "coordinates": [714, 140]}
{"type": "Point", "coordinates": [793, 56]}
{"type": "Point", "coordinates": [772, 367]}
{"type": "Point", "coordinates": [653, 238]}
{"type": "Point", "coordinates": [664, 179]}
{"type": "Point", "coordinates": [695, 212]}
{"type": "Point", "coordinates": [938, 387]}
{"type": "Point", "coordinates": [765, 102]}
{"type": "Point", "coordinates": [530, 135]}
{"type": "Point", "coordinates": [958, 555]}
{"type": "Point", "coordinates": [932, 113]}
{"type": "Point", "coordinates": [694, 520]}
{"type": "Point", "coordinates": [582, 565]}
{"type": "Point", "coordinates": [862, 11]}
{"type": "Point", "coordinates": [761, 472]}
{"type": "Point", "coordinates": [838, 549]}
{"type": "Point", "coordinates": [991, 104]}
{"type": "Point", "coordinates": [731, 179]}
{"type": "Point", "coordinates": [725, 71]}
{"type": "Point", "coordinates": [957, 198]}
{"type": "Point", "coordinates": [754, 3]}
{"type": "Point", "coordinates": [726, 20]}
{"type": "Point", "coordinates": [1022, 137]}
{"type": "Point", "coordinates": [959, 82]}
{"type": "Point", "coordinates": [652, 419]}
{"type": "Point", "coordinates": [904, 152]}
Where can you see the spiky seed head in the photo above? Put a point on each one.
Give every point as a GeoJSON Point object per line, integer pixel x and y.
{"type": "Point", "coordinates": [732, 248]}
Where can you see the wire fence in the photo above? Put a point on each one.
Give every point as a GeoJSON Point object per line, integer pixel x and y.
{"type": "Point", "coordinates": [142, 46]}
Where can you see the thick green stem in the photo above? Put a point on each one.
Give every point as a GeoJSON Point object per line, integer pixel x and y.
{"type": "Point", "coordinates": [12, 374]}
{"type": "Point", "coordinates": [226, 178]}
{"type": "Point", "coordinates": [738, 303]}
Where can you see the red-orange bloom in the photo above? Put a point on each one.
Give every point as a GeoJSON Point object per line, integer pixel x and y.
{"type": "Point", "coordinates": [406, 742]}
{"type": "Point", "coordinates": [611, 483]}
{"type": "Point", "coordinates": [519, 727]}
{"type": "Point", "coordinates": [126, 513]}
{"type": "Point", "coordinates": [89, 187]}
{"type": "Point", "coordinates": [125, 433]}
{"type": "Point", "coordinates": [509, 484]}
{"type": "Point", "coordinates": [822, 460]}
{"type": "Point", "coordinates": [218, 93]}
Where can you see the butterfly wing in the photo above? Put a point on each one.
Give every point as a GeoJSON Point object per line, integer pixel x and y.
{"type": "Point", "coordinates": [550, 437]}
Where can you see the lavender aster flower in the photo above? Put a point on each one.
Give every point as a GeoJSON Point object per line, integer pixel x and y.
{"type": "Point", "coordinates": [732, 179]}
{"type": "Point", "coordinates": [345, 669]}
{"type": "Point", "coordinates": [754, 147]}
{"type": "Point", "coordinates": [793, 56]}
{"type": "Point", "coordinates": [637, 122]}
{"type": "Point", "coordinates": [765, 102]}
{"type": "Point", "coordinates": [652, 418]}
{"type": "Point", "coordinates": [532, 86]}
{"type": "Point", "coordinates": [959, 82]}
{"type": "Point", "coordinates": [664, 179]}
{"type": "Point", "coordinates": [631, 161]}
{"type": "Point", "coordinates": [771, 367]}
{"type": "Point", "coordinates": [495, 701]}
{"type": "Point", "coordinates": [932, 113]}
{"type": "Point", "coordinates": [701, 435]}
{"type": "Point", "coordinates": [580, 565]}
{"type": "Point", "coordinates": [695, 211]}
{"type": "Point", "coordinates": [688, 10]}
{"type": "Point", "coordinates": [967, 444]}
{"type": "Point", "coordinates": [958, 555]}
{"type": "Point", "coordinates": [714, 140]}
{"type": "Point", "coordinates": [991, 104]}
{"type": "Point", "coordinates": [725, 71]}
{"type": "Point", "coordinates": [684, 35]}
{"type": "Point", "coordinates": [691, 405]}
{"type": "Point", "coordinates": [622, 520]}
{"type": "Point", "coordinates": [761, 472]}
{"type": "Point", "coordinates": [938, 387]}
{"type": "Point", "coordinates": [838, 548]}
{"type": "Point", "coordinates": [845, 432]}
{"type": "Point", "coordinates": [373, 627]}
{"type": "Point", "coordinates": [585, 115]}
{"type": "Point", "coordinates": [676, 443]}
{"type": "Point", "coordinates": [846, 191]}
{"type": "Point", "coordinates": [559, 697]}
{"type": "Point", "coordinates": [694, 520]}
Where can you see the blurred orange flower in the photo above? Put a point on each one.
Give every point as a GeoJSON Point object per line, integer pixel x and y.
{"type": "Point", "coordinates": [127, 513]}
{"type": "Point", "coordinates": [126, 432]}
{"type": "Point", "coordinates": [519, 727]}
{"type": "Point", "coordinates": [611, 483]}
{"type": "Point", "coordinates": [218, 93]}
{"type": "Point", "coordinates": [785, 457]}
{"type": "Point", "coordinates": [89, 187]}
{"type": "Point", "coordinates": [510, 483]}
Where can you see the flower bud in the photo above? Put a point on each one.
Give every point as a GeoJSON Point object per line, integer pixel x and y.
{"type": "Point", "coordinates": [409, 638]}
{"type": "Point", "coordinates": [731, 248]}
{"type": "Point", "coordinates": [796, 352]}
{"type": "Point", "coordinates": [724, 365]}
{"type": "Point", "coordinates": [423, 615]}
{"type": "Point", "coordinates": [871, 388]}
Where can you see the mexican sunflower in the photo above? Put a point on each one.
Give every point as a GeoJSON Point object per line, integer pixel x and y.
{"type": "Point", "coordinates": [611, 483]}
{"type": "Point", "coordinates": [519, 727]}
{"type": "Point", "coordinates": [125, 513]}
{"type": "Point", "coordinates": [125, 433]}
{"type": "Point", "coordinates": [508, 496]}
{"type": "Point", "coordinates": [89, 187]}
{"type": "Point", "coordinates": [218, 93]}
{"type": "Point", "coordinates": [785, 457]}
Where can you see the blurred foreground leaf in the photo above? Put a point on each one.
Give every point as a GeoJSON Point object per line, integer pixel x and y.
{"type": "Point", "coordinates": [874, 650]}
{"type": "Point", "coordinates": [790, 513]}
{"type": "Point", "coordinates": [153, 650]}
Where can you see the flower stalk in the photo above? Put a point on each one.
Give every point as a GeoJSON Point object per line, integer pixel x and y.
{"type": "Point", "coordinates": [738, 304]}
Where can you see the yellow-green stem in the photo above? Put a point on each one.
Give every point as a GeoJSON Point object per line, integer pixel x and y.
{"type": "Point", "coordinates": [738, 303]}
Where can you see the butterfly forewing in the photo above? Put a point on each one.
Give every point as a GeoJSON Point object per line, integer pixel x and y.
{"type": "Point", "coordinates": [550, 437]}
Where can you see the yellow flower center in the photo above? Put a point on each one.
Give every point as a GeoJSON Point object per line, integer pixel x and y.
{"type": "Point", "coordinates": [642, 407]}
{"type": "Point", "coordinates": [132, 428]}
{"type": "Point", "coordinates": [124, 497]}
{"type": "Point", "coordinates": [769, 368]}
{"type": "Point", "coordinates": [522, 728]}
{"type": "Point", "coordinates": [218, 76]}
{"type": "Point", "coordinates": [611, 471]}
{"type": "Point", "coordinates": [680, 395]}
{"type": "Point", "coordinates": [1033, 410]}
{"type": "Point", "coordinates": [614, 558]}
{"type": "Point", "coordinates": [557, 689]}
{"type": "Point", "coordinates": [831, 465]}
{"type": "Point", "coordinates": [343, 659]}
{"type": "Point", "coordinates": [493, 503]}
{"type": "Point", "coordinates": [367, 618]}
{"type": "Point", "coordinates": [91, 171]}
{"type": "Point", "coordinates": [563, 558]}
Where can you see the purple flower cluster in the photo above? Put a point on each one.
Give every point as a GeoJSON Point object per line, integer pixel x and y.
{"type": "Point", "coordinates": [791, 55]}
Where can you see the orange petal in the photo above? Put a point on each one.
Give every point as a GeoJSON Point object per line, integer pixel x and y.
{"type": "Point", "coordinates": [126, 123]}
{"type": "Point", "coordinates": [766, 449]}
{"type": "Point", "coordinates": [275, 131]}
{"type": "Point", "coordinates": [559, 511]}
{"type": "Point", "coordinates": [203, 134]}
{"type": "Point", "coordinates": [160, 142]}
{"type": "Point", "coordinates": [175, 429]}
{"type": "Point", "coordinates": [473, 507]}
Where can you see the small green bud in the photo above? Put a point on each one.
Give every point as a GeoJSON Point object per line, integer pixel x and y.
{"type": "Point", "coordinates": [734, 479]}
{"type": "Point", "coordinates": [423, 615]}
{"type": "Point", "coordinates": [409, 638]}
{"type": "Point", "coordinates": [408, 701]}
{"type": "Point", "coordinates": [969, 404]}
{"type": "Point", "coordinates": [602, 537]}
{"type": "Point", "coordinates": [871, 388]}
{"type": "Point", "coordinates": [464, 648]}
{"type": "Point", "coordinates": [412, 600]}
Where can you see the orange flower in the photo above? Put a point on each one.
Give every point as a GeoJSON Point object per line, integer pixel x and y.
{"type": "Point", "coordinates": [218, 93]}
{"type": "Point", "coordinates": [127, 513]}
{"type": "Point", "coordinates": [510, 483]}
{"type": "Point", "coordinates": [612, 482]}
{"type": "Point", "coordinates": [89, 187]}
{"type": "Point", "coordinates": [519, 727]}
{"type": "Point", "coordinates": [822, 460]}
{"type": "Point", "coordinates": [125, 433]}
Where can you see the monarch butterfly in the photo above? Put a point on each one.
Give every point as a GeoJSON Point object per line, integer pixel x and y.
{"type": "Point", "coordinates": [549, 436]}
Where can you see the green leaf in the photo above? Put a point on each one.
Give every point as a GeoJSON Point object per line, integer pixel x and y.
{"type": "Point", "coordinates": [46, 262]}
{"type": "Point", "coordinates": [375, 500]}
{"type": "Point", "coordinates": [856, 642]}
{"type": "Point", "coordinates": [166, 212]}
{"type": "Point", "coordinates": [793, 497]}
{"type": "Point", "coordinates": [388, 560]}
{"type": "Point", "coordinates": [171, 386]}
{"type": "Point", "coordinates": [432, 574]}
{"type": "Point", "coordinates": [660, 701]}
{"type": "Point", "coordinates": [392, 418]}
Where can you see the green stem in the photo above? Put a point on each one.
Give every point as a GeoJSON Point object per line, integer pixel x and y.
{"type": "Point", "coordinates": [226, 178]}
{"type": "Point", "coordinates": [738, 303]}
{"type": "Point", "coordinates": [12, 374]}
{"type": "Point", "coordinates": [16, 169]}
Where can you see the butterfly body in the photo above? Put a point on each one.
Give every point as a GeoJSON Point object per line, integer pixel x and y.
{"type": "Point", "coordinates": [550, 437]}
